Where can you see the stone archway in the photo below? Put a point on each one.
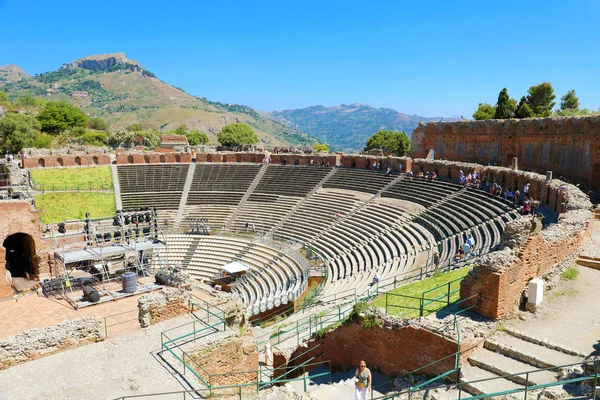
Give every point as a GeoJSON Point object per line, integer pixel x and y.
{"type": "Point", "coordinates": [20, 256]}
{"type": "Point", "coordinates": [41, 162]}
{"type": "Point", "coordinates": [78, 160]}
{"type": "Point", "coordinates": [431, 155]}
{"type": "Point", "coordinates": [95, 160]}
{"type": "Point", "coordinates": [60, 162]}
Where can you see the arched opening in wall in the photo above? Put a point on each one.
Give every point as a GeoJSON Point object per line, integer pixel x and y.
{"type": "Point", "coordinates": [95, 160]}
{"type": "Point", "coordinates": [177, 158]}
{"type": "Point", "coordinates": [78, 160]}
{"type": "Point", "coordinates": [147, 159]}
{"type": "Point", "coordinates": [515, 184]}
{"type": "Point", "coordinates": [20, 254]}
{"type": "Point", "coordinates": [431, 155]}
{"type": "Point", "coordinates": [41, 162]}
{"type": "Point", "coordinates": [162, 158]}
{"type": "Point", "coordinates": [353, 163]}
{"type": "Point", "coordinates": [449, 173]}
{"type": "Point", "coordinates": [60, 162]}
{"type": "Point", "coordinates": [130, 159]}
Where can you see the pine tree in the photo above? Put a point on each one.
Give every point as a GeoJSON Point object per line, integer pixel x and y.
{"type": "Point", "coordinates": [569, 101]}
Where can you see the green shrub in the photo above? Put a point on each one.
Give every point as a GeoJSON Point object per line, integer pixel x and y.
{"type": "Point", "coordinates": [359, 308]}
{"type": "Point", "coordinates": [570, 273]}
{"type": "Point", "coordinates": [43, 141]}
{"type": "Point", "coordinates": [95, 138]}
{"type": "Point", "coordinates": [370, 322]}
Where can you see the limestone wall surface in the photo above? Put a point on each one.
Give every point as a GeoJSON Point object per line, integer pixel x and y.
{"type": "Point", "coordinates": [40, 342]}
{"type": "Point", "coordinates": [162, 305]}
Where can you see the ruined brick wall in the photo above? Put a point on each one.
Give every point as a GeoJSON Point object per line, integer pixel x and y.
{"type": "Point", "coordinates": [392, 351]}
{"type": "Point", "coordinates": [568, 146]}
{"type": "Point", "coordinates": [501, 276]}
{"type": "Point", "coordinates": [66, 160]}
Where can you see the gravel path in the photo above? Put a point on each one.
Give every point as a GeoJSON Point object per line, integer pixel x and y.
{"type": "Point", "coordinates": [123, 365]}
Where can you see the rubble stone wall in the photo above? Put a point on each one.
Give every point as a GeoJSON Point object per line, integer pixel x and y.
{"type": "Point", "coordinates": [162, 305]}
{"type": "Point", "coordinates": [568, 146]}
{"type": "Point", "coordinates": [40, 342]}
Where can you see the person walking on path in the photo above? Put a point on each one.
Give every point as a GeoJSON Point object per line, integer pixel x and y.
{"type": "Point", "coordinates": [362, 381]}
{"type": "Point", "coordinates": [268, 353]}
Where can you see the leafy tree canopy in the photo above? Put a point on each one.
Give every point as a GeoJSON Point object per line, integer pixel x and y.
{"type": "Point", "coordinates": [541, 99]}
{"type": "Point", "coordinates": [238, 134]}
{"type": "Point", "coordinates": [3, 98]}
{"type": "Point", "coordinates": [321, 147]}
{"type": "Point", "coordinates": [569, 101]}
{"type": "Point", "coordinates": [18, 131]}
{"type": "Point", "coordinates": [523, 109]}
{"type": "Point", "coordinates": [484, 111]}
{"type": "Point", "coordinates": [57, 117]}
{"type": "Point", "coordinates": [194, 136]}
{"type": "Point", "coordinates": [396, 143]}
{"type": "Point", "coordinates": [98, 124]}
{"type": "Point", "coordinates": [135, 127]}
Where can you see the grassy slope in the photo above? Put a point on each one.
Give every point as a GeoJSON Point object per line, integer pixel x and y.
{"type": "Point", "coordinates": [417, 288]}
{"type": "Point", "coordinates": [72, 178]}
{"type": "Point", "coordinates": [63, 206]}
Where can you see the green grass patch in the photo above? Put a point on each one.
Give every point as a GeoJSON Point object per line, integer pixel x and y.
{"type": "Point", "coordinates": [92, 178]}
{"type": "Point", "coordinates": [407, 303]}
{"type": "Point", "coordinates": [570, 273]}
{"type": "Point", "coordinates": [57, 207]}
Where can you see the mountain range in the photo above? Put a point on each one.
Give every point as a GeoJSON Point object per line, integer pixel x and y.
{"type": "Point", "coordinates": [123, 92]}
{"type": "Point", "coordinates": [348, 126]}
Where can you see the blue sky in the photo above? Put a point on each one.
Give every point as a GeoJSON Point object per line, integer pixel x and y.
{"type": "Point", "coordinates": [432, 58]}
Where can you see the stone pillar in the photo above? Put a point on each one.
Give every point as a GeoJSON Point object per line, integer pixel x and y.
{"type": "Point", "coordinates": [515, 164]}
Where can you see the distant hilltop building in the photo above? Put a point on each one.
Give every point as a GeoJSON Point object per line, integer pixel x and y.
{"type": "Point", "coordinates": [79, 95]}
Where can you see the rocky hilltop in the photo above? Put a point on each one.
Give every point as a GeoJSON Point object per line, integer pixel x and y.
{"type": "Point", "coordinates": [101, 62]}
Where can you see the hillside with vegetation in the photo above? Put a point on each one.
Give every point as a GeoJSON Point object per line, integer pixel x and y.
{"type": "Point", "coordinates": [122, 93]}
{"type": "Point", "coordinates": [348, 126]}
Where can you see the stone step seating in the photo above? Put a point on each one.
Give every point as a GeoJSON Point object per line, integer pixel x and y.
{"type": "Point", "coordinates": [264, 211]}
{"type": "Point", "coordinates": [223, 177]}
{"type": "Point", "coordinates": [160, 200]}
{"type": "Point", "coordinates": [274, 278]}
{"type": "Point", "coordinates": [217, 215]}
{"type": "Point", "coordinates": [156, 185]}
{"type": "Point", "coordinates": [421, 191]}
{"type": "Point", "coordinates": [216, 207]}
{"type": "Point", "coordinates": [152, 177]}
{"type": "Point", "coordinates": [379, 243]}
{"type": "Point", "coordinates": [506, 357]}
{"type": "Point", "coordinates": [367, 181]}
{"type": "Point", "coordinates": [291, 180]}
{"type": "Point", "coordinates": [318, 213]}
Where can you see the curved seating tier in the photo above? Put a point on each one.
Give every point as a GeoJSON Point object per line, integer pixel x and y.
{"type": "Point", "coordinates": [274, 278]}
{"type": "Point", "coordinates": [223, 177]}
{"type": "Point", "coordinates": [291, 180]}
{"type": "Point", "coordinates": [361, 222]}
{"type": "Point", "coordinates": [360, 180]}
{"type": "Point", "coordinates": [264, 211]}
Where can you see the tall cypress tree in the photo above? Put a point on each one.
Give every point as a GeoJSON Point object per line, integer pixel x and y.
{"type": "Point", "coordinates": [504, 107]}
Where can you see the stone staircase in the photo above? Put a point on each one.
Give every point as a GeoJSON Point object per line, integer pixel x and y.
{"type": "Point", "coordinates": [502, 363]}
{"type": "Point", "coordinates": [590, 256]}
